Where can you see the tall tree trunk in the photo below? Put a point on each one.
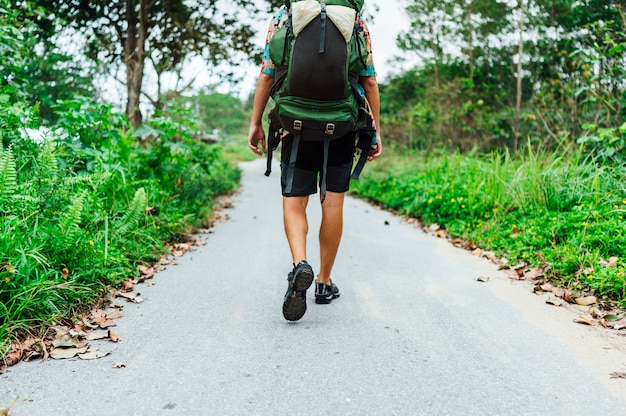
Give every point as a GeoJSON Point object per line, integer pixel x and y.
{"type": "Point", "coordinates": [134, 58]}
{"type": "Point", "coordinates": [518, 102]}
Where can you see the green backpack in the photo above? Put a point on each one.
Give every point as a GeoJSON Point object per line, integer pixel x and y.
{"type": "Point", "coordinates": [318, 54]}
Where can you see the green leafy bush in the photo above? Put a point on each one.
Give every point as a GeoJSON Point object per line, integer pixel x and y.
{"type": "Point", "coordinates": [81, 210]}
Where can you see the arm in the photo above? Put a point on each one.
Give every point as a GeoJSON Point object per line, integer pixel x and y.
{"type": "Point", "coordinates": [261, 96]}
{"type": "Point", "coordinates": [370, 85]}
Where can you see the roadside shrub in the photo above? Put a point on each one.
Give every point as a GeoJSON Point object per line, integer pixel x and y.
{"type": "Point", "coordinates": [80, 211]}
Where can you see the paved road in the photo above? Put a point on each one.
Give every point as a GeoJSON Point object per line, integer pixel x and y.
{"type": "Point", "coordinates": [413, 334]}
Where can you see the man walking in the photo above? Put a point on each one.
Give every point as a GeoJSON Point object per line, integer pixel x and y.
{"type": "Point", "coordinates": [309, 164]}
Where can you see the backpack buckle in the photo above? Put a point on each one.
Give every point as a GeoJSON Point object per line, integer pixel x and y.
{"type": "Point", "coordinates": [330, 129]}
{"type": "Point", "coordinates": [297, 125]}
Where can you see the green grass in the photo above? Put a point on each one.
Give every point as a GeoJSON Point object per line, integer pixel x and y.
{"type": "Point", "coordinates": [78, 217]}
{"type": "Point", "coordinates": [554, 206]}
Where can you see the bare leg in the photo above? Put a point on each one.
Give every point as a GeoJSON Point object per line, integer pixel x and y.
{"type": "Point", "coordinates": [330, 233]}
{"type": "Point", "coordinates": [296, 225]}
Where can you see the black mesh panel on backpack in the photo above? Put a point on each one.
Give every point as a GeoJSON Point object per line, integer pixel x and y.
{"type": "Point", "coordinates": [315, 75]}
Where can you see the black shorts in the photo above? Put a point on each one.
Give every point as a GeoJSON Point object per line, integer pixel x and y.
{"type": "Point", "coordinates": [310, 162]}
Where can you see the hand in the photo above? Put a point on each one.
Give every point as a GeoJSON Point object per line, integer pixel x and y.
{"type": "Point", "coordinates": [256, 136]}
{"type": "Point", "coordinates": [377, 149]}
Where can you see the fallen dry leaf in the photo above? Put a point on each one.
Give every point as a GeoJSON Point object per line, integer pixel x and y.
{"type": "Point", "coordinates": [96, 335]}
{"type": "Point", "coordinates": [512, 274]}
{"type": "Point", "coordinates": [537, 272]}
{"type": "Point", "coordinates": [115, 314]}
{"type": "Point", "coordinates": [118, 364]}
{"type": "Point", "coordinates": [7, 411]}
{"type": "Point", "coordinates": [145, 272]}
{"type": "Point", "coordinates": [617, 325]}
{"type": "Point", "coordinates": [441, 233]}
{"type": "Point", "coordinates": [66, 272]}
{"type": "Point", "coordinates": [164, 261]}
{"type": "Point", "coordinates": [67, 341]}
{"type": "Point", "coordinates": [65, 353]}
{"type": "Point", "coordinates": [9, 268]}
{"type": "Point", "coordinates": [182, 248]}
{"type": "Point", "coordinates": [584, 319]}
{"type": "Point", "coordinates": [223, 203]}
{"type": "Point", "coordinates": [13, 358]}
{"type": "Point", "coordinates": [618, 375]}
{"type": "Point", "coordinates": [483, 279]}
{"type": "Point", "coordinates": [612, 262]}
{"type": "Point", "coordinates": [36, 350]}
{"type": "Point", "coordinates": [81, 327]}
{"type": "Point", "coordinates": [76, 333]}
{"type": "Point", "coordinates": [131, 296]}
{"type": "Point", "coordinates": [106, 323]}
{"type": "Point", "coordinates": [547, 287]}
{"type": "Point", "coordinates": [586, 301]}
{"type": "Point", "coordinates": [127, 284]}
{"type": "Point", "coordinates": [89, 324]}
{"type": "Point", "coordinates": [92, 354]}
{"type": "Point", "coordinates": [567, 296]}
{"type": "Point", "coordinates": [555, 302]}
{"type": "Point", "coordinates": [113, 336]}
{"type": "Point", "coordinates": [586, 271]}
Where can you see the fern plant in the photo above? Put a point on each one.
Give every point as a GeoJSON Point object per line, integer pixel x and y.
{"type": "Point", "coordinates": [8, 174]}
{"type": "Point", "coordinates": [48, 163]}
{"type": "Point", "coordinates": [131, 218]}
{"type": "Point", "coordinates": [71, 219]}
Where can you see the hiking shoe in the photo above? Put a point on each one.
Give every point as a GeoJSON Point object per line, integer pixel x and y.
{"type": "Point", "coordinates": [325, 293]}
{"type": "Point", "coordinates": [294, 305]}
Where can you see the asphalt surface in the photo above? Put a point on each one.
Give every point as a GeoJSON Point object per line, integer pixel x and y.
{"type": "Point", "coordinates": [413, 333]}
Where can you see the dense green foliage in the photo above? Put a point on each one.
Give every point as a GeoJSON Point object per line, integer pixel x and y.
{"type": "Point", "coordinates": [84, 198]}
{"type": "Point", "coordinates": [535, 207]}
{"type": "Point", "coordinates": [82, 209]}
{"type": "Point", "coordinates": [33, 68]}
{"type": "Point", "coordinates": [463, 93]}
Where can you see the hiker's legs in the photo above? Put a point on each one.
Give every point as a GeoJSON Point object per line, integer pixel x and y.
{"type": "Point", "coordinates": [296, 225]}
{"type": "Point", "coordinates": [330, 233]}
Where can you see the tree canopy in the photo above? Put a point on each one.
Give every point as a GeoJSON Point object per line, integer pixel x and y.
{"type": "Point", "coordinates": [165, 32]}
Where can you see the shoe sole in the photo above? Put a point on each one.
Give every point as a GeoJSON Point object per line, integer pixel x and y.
{"type": "Point", "coordinates": [294, 306]}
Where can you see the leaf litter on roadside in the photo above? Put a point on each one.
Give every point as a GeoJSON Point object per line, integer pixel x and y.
{"type": "Point", "coordinates": [70, 338]}
{"type": "Point", "coordinates": [70, 341]}
{"type": "Point", "coordinates": [66, 339]}
{"type": "Point", "coordinates": [607, 316]}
